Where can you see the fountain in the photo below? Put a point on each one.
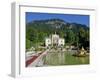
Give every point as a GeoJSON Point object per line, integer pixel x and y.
{"type": "Point", "coordinates": [81, 53]}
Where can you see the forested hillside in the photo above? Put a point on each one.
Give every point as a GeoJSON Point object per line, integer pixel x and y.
{"type": "Point", "coordinates": [73, 33]}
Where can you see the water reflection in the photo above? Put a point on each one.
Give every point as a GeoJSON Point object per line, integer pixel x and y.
{"type": "Point", "coordinates": [54, 58]}
{"type": "Point", "coordinates": [63, 58]}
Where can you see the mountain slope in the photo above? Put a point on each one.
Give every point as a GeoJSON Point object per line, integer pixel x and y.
{"type": "Point", "coordinates": [73, 33]}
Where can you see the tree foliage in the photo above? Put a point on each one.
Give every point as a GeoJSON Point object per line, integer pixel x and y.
{"type": "Point", "coordinates": [73, 33]}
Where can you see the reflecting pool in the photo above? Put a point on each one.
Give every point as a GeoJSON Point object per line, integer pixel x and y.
{"type": "Point", "coordinates": [57, 58]}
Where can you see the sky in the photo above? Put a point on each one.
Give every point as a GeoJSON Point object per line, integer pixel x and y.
{"type": "Point", "coordinates": [71, 18]}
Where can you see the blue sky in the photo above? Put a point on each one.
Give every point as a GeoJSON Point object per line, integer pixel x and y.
{"type": "Point", "coordinates": [71, 18]}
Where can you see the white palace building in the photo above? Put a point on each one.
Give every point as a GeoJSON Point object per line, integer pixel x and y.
{"type": "Point", "coordinates": [54, 39]}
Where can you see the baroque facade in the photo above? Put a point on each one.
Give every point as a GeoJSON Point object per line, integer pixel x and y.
{"type": "Point", "coordinates": [54, 40]}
